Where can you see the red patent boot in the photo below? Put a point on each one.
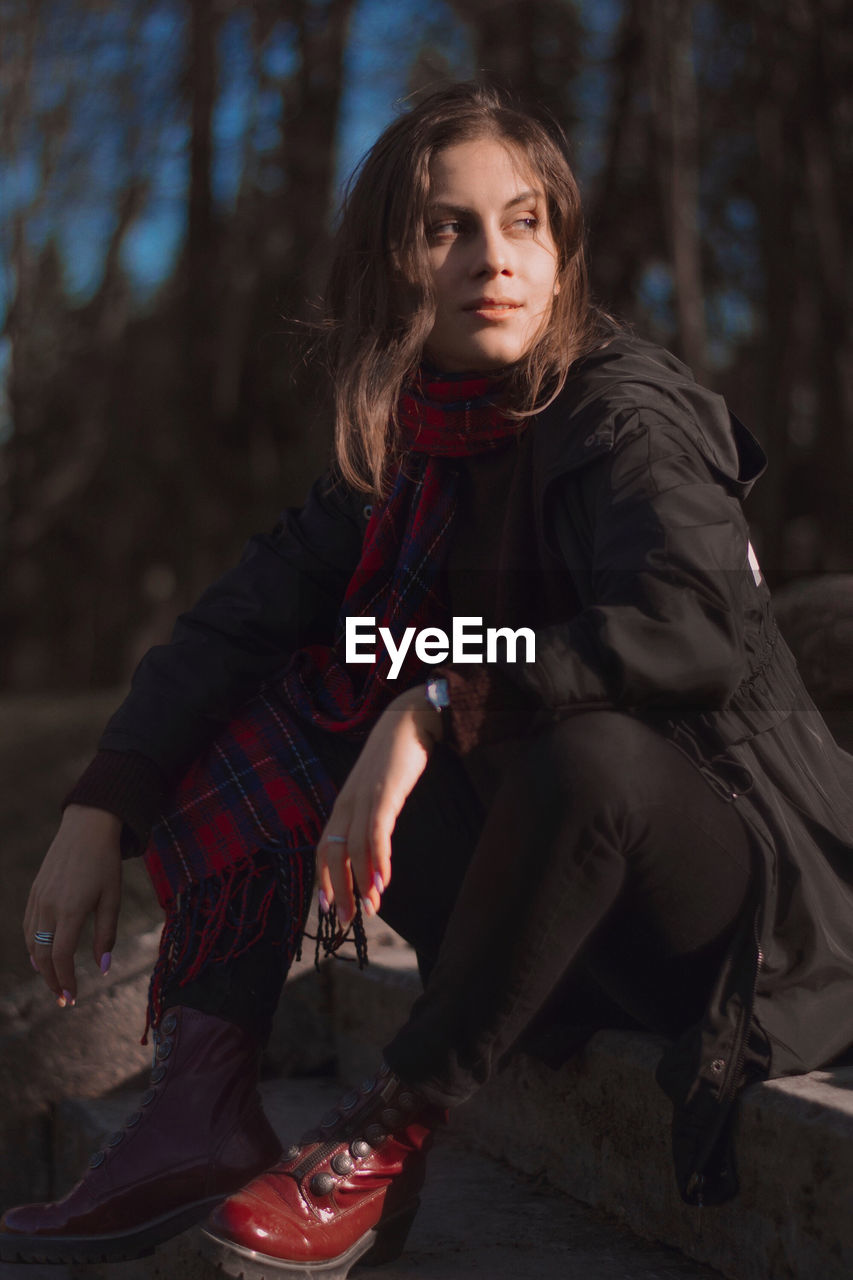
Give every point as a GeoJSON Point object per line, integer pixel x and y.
{"type": "Point", "coordinates": [199, 1134]}
{"type": "Point", "coordinates": [347, 1191]}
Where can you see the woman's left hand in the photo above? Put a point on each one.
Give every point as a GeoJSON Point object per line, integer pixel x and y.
{"type": "Point", "coordinates": [356, 841]}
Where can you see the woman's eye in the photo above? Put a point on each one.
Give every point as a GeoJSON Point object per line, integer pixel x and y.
{"type": "Point", "coordinates": [444, 230]}
{"type": "Point", "coordinates": [450, 228]}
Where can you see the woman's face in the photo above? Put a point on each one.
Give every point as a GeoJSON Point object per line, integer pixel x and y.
{"type": "Point", "coordinates": [494, 263]}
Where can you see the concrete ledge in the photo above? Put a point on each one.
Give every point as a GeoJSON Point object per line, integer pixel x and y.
{"type": "Point", "coordinates": [477, 1218]}
{"type": "Point", "coordinates": [599, 1129]}
{"type": "Point", "coordinates": [92, 1050]}
{"type": "Point", "coordinates": [46, 1055]}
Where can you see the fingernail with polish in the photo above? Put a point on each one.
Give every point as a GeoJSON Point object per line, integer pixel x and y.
{"type": "Point", "coordinates": [69, 998]}
{"type": "Point", "coordinates": [378, 883]}
{"type": "Point", "coordinates": [368, 907]}
{"type": "Point", "coordinates": [324, 902]}
{"type": "Point", "coordinates": [106, 961]}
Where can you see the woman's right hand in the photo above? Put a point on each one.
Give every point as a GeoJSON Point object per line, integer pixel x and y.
{"type": "Point", "coordinates": [81, 873]}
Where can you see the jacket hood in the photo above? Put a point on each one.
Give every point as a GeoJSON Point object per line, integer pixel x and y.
{"type": "Point", "coordinates": [632, 374]}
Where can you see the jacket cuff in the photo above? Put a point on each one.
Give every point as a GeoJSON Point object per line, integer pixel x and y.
{"type": "Point", "coordinates": [485, 706]}
{"type": "Point", "coordinates": [127, 784]}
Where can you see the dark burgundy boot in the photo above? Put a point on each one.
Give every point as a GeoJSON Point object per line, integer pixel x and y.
{"type": "Point", "coordinates": [199, 1134]}
{"type": "Point", "coordinates": [348, 1191]}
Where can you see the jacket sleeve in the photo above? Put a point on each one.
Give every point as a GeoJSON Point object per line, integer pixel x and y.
{"type": "Point", "coordinates": [284, 593]}
{"type": "Point", "coordinates": [663, 625]}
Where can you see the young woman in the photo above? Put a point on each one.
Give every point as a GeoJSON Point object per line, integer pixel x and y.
{"type": "Point", "coordinates": [642, 822]}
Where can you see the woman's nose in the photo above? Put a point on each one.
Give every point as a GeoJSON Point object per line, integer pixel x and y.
{"type": "Point", "coordinates": [491, 256]}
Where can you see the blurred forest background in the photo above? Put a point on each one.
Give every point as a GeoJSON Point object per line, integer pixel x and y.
{"type": "Point", "coordinates": [169, 175]}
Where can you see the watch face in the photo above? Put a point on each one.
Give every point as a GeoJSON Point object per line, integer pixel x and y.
{"type": "Point", "coordinates": [438, 692]}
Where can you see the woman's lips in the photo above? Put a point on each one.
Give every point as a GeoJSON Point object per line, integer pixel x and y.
{"type": "Point", "coordinates": [492, 308]}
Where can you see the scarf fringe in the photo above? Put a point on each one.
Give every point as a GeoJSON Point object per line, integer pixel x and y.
{"type": "Point", "coordinates": [196, 930]}
{"type": "Point", "coordinates": [194, 935]}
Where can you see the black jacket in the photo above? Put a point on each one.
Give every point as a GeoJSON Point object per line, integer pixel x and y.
{"type": "Point", "coordinates": [638, 476]}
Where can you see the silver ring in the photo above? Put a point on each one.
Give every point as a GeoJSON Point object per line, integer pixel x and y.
{"type": "Point", "coordinates": [336, 839]}
{"type": "Point", "coordinates": [43, 938]}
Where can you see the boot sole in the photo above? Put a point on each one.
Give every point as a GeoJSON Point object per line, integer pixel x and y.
{"type": "Point", "coordinates": [119, 1246]}
{"type": "Point", "coordinates": [378, 1245]}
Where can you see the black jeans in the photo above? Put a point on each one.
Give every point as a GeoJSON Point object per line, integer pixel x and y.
{"type": "Point", "coordinates": [588, 874]}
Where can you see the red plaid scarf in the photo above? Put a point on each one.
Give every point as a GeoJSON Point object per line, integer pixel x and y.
{"type": "Point", "coordinates": [260, 784]}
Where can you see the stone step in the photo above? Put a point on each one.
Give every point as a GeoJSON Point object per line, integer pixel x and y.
{"type": "Point", "coordinates": [81, 1052]}
{"type": "Point", "coordinates": [478, 1217]}
{"type": "Point", "coordinates": [598, 1129]}
{"type": "Point", "coordinates": [94, 1048]}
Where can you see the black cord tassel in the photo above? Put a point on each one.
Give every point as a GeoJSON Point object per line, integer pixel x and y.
{"type": "Point", "coordinates": [329, 937]}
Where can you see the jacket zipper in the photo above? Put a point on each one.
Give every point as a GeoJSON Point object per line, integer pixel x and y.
{"type": "Point", "coordinates": [730, 1084]}
{"type": "Point", "coordinates": [695, 1185]}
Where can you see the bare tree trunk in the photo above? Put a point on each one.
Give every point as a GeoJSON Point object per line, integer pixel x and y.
{"type": "Point", "coordinates": [820, 34]}
{"type": "Point", "coordinates": [311, 117]}
{"type": "Point", "coordinates": [782, 293]}
{"type": "Point", "coordinates": [621, 246]}
{"type": "Point", "coordinates": [204, 515]}
{"type": "Point", "coordinates": [201, 230]}
{"type": "Point", "coordinates": [532, 47]}
{"type": "Point", "coordinates": [310, 131]}
{"type": "Point", "coordinates": [672, 83]}
{"type": "Point", "coordinates": [20, 455]}
{"type": "Point", "coordinates": [502, 32]}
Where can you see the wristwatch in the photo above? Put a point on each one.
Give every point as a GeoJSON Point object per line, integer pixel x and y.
{"type": "Point", "coordinates": [438, 693]}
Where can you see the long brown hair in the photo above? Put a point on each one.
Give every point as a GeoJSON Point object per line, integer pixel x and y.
{"type": "Point", "coordinates": [380, 308]}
